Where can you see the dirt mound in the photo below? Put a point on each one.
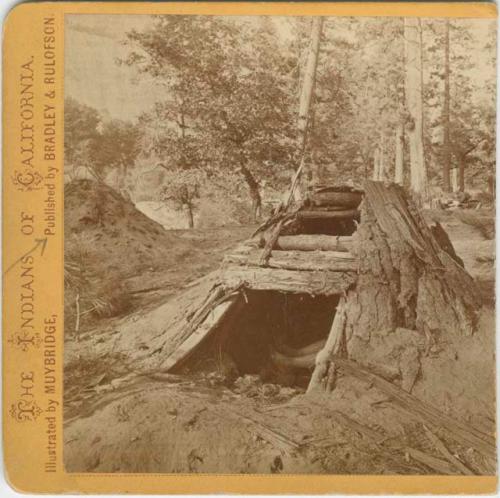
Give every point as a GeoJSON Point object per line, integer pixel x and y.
{"type": "Point", "coordinates": [118, 260]}
{"type": "Point", "coordinates": [108, 243]}
{"type": "Point", "coordinates": [128, 241]}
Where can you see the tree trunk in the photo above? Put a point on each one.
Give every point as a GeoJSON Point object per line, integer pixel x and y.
{"type": "Point", "coordinates": [454, 180]}
{"type": "Point", "coordinates": [446, 111]}
{"type": "Point", "coordinates": [308, 89]}
{"type": "Point", "coordinates": [400, 126]}
{"type": "Point", "coordinates": [413, 95]}
{"type": "Point", "coordinates": [253, 188]}
{"type": "Point", "coordinates": [310, 243]}
{"type": "Point", "coordinates": [122, 172]}
{"type": "Point", "coordinates": [326, 283]}
{"type": "Point", "coordinates": [406, 279]}
{"type": "Point", "coordinates": [410, 293]}
{"type": "Point", "coordinates": [298, 260]}
{"type": "Point", "coordinates": [461, 173]}
{"type": "Point", "coordinates": [399, 148]}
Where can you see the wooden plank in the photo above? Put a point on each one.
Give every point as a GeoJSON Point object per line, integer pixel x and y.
{"type": "Point", "coordinates": [209, 323]}
{"type": "Point", "coordinates": [313, 243]}
{"type": "Point", "coordinates": [344, 199]}
{"type": "Point", "coordinates": [340, 214]}
{"type": "Point", "coordinates": [298, 260]}
{"type": "Point", "coordinates": [461, 433]}
{"type": "Point", "coordinates": [324, 359]}
{"type": "Point", "coordinates": [325, 283]}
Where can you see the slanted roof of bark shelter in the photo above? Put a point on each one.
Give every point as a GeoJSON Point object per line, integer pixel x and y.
{"type": "Point", "coordinates": [314, 264]}
{"type": "Point", "coordinates": [387, 270]}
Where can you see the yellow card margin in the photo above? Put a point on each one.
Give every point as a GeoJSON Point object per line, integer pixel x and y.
{"type": "Point", "coordinates": [24, 385]}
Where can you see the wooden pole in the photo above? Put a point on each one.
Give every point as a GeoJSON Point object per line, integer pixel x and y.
{"type": "Point", "coordinates": [307, 91]}
{"type": "Point", "coordinates": [331, 348]}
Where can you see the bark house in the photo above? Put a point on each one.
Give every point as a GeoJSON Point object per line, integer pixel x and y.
{"type": "Point", "coordinates": [338, 283]}
{"type": "Point", "coordinates": [333, 279]}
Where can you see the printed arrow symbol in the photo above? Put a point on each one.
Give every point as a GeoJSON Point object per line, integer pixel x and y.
{"type": "Point", "coordinates": [42, 243]}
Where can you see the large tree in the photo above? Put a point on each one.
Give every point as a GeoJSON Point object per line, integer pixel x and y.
{"type": "Point", "coordinates": [115, 148]}
{"type": "Point", "coordinates": [227, 87]}
{"type": "Point", "coordinates": [414, 106]}
{"type": "Point", "coordinates": [98, 146]}
{"type": "Point", "coordinates": [80, 130]}
{"type": "Point", "coordinates": [458, 106]}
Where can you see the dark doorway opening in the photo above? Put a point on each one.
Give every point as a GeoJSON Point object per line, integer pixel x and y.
{"type": "Point", "coordinates": [274, 335]}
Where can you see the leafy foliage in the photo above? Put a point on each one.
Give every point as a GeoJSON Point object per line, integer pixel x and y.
{"type": "Point", "coordinates": [227, 124]}
{"type": "Point", "coordinates": [98, 146]}
{"type": "Point", "coordinates": [229, 103]}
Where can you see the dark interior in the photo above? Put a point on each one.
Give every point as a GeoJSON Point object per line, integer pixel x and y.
{"type": "Point", "coordinates": [268, 322]}
{"type": "Point", "coordinates": [342, 227]}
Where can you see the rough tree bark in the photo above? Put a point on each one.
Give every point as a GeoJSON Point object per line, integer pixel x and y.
{"type": "Point", "coordinates": [413, 95]}
{"type": "Point", "coordinates": [410, 292]}
{"type": "Point", "coordinates": [326, 283]}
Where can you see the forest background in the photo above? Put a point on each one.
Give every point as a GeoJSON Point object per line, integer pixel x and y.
{"type": "Point", "coordinates": [199, 114]}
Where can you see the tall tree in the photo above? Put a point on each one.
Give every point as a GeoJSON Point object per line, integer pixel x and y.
{"type": "Point", "coordinates": [399, 135]}
{"type": "Point", "coordinates": [414, 105]}
{"type": "Point", "coordinates": [115, 147]}
{"type": "Point", "coordinates": [306, 94]}
{"type": "Point", "coordinates": [80, 131]}
{"type": "Point", "coordinates": [232, 81]}
{"type": "Point", "coordinates": [446, 110]}
{"type": "Point", "coordinates": [399, 152]}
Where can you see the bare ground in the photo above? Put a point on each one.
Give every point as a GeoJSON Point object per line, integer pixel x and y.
{"type": "Point", "coordinates": [120, 420]}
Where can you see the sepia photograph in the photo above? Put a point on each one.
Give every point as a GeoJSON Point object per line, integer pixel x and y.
{"type": "Point", "coordinates": [279, 245]}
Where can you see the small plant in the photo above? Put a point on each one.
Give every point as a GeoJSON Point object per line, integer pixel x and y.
{"type": "Point", "coordinates": [88, 292]}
